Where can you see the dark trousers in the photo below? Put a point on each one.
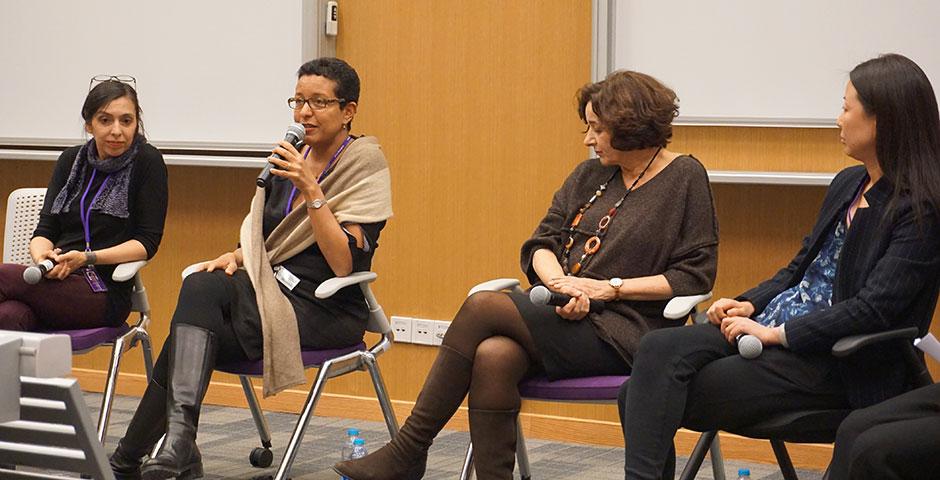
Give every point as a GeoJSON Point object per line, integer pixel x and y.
{"type": "Point", "coordinates": [898, 438]}
{"type": "Point", "coordinates": [692, 377]}
{"type": "Point", "coordinates": [50, 304]}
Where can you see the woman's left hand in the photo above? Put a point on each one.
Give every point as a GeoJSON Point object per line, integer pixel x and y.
{"type": "Point", "coordinates": [292, 166]}
{"type": "Point", "coordinates": [67, 263]}
{"type": "Point", "coordinates": [594, 289]}
{"type": "Point", "coordinates": [732, 327]}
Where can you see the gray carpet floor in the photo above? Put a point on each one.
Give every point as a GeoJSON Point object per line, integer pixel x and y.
{"type": "Point", "coordinates": [227, 436]}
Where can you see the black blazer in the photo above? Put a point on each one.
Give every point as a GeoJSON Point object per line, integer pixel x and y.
{"type": "Point", "coordinates": [887, 277]}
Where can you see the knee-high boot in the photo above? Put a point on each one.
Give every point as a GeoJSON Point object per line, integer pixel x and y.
{"type": "Point", "coordinates": [146, 427]}
{"type": "Point", "coordinates": [493, 433]}
{"type": "Point", "coordinates": [191, 363]}
{"type": "Point", "coordinates": [405, 457]}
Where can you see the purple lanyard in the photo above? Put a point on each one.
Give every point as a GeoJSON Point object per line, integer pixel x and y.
{"type": "Point", "coordinates": [293, 190]}
{"type": "Point", "coordinates": [84, 215]}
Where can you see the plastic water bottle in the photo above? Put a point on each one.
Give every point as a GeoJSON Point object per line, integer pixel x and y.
{"type": "Point", "coordinates": [351, 435]}
{"type": "Point", "coordinates": [744, 474]}
{"type": "Point", "coordinates": [358, 451]}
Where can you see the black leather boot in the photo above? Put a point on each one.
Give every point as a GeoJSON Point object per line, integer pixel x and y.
{"type": "Point", "coordinates": [146, 427]}
{"type": "Point", "coordinates": [191, 363]}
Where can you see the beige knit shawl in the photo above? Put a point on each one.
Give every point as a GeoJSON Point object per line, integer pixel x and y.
{"type": "Point", "coordinates": [358, 190]}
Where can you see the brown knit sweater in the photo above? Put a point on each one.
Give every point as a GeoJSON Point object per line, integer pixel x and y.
{"type": "Point", "coordinates": [666, 226]}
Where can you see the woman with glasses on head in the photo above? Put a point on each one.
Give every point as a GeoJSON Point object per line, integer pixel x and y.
{"type": "Point", "coordinates": [105, 204]}
{"type": "Point", "coordinates": [870, 264]}
{"type": "Point", "coordinates": [319, 217]}
{"type": "Point", "coordinates": [633, 228]}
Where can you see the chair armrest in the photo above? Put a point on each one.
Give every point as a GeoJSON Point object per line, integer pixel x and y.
{"type": "Point", "coordinates": [679, 307]}
{"type": "Point", "coordinates": [333, 285]}
{"type": "Point", "coordinates": [495, 285]}
{"type": "Point", "coordinates": [849, 345]}
{"type": "Point", "coordinates": [126, 271]}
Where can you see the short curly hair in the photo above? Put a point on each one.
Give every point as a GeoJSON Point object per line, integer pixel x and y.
{"type": "Point", "coordinates": [636, 108]}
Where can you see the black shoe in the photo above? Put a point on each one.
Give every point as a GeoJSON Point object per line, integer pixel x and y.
{"type": "Point", "coordinates": [146, 427]}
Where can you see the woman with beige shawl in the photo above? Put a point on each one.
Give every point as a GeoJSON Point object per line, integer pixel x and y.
{"type": "Point", "coordinates": [319, 217]}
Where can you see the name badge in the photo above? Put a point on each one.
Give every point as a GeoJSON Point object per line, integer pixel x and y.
{"type": "Point", "coordinates": [286, 278]}
{"type": "Point", "coordinates": [94, 281]}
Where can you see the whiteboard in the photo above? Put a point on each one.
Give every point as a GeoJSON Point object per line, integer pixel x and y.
{"type": "Point", "coordinates": [756, 62]}
{"type": "Point", "coordinates": [210, 73]}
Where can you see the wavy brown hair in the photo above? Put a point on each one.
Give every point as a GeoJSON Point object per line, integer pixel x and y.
{"type": "Point", "coordinates": [636, 108]}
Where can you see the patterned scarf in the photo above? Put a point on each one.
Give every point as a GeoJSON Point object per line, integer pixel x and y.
{"type": "Point", "coordinates": [113, 199]}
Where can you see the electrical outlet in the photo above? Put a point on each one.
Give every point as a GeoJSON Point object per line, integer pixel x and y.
{"type": "Point", "coordinates": [440, 328]}
{"type": "Point", "coordinates": [423, 332]}
{"type": "Point", "coordinates": [403, 328]}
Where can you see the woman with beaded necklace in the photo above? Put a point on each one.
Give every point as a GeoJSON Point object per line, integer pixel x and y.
{"type": "Point", "coordinates": [633, 228]}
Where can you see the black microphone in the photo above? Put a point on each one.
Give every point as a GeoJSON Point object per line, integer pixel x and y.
{"type": "Point", "coordinates": [32, 275]}
{"type": "Point", "coordinates": [540, 295]}
{"type": "Point", "coordinates": [294, 135]}
{"type": "Point", "coordinates": [749, 346]}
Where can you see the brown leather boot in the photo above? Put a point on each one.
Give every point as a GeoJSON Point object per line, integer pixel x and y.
{"type": "Point", "coordinates": [493, 433]}
{"type": "Point", "coordinates": [405, 457]}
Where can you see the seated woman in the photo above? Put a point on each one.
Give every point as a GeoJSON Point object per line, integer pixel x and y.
{"type": "Point", "coordinates": [105, 205]}
{"type": "Point", "coordinates": [893, 439]}
{"type": "Point", "coordinates": [319, 218]}
{"type": "Point", "coordinates": [871, 263]}
{"type": "Point", "coordinates": [633, 228]}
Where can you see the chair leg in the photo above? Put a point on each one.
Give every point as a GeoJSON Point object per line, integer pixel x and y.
{"type": "Point", "coordinates": [261, 423]}
{"type": "Point", "coordinates": [783, 459]}
{"type": "Point", "coordinates": [107, 397]}
{"type": "Point", "coordinates": [718, 462]}
{"type": "Point", "coordinates": [522, 454]}
{"type": "Point", "coordinates": [146, 347]}
{"type": "Point", "coordinates": [381, 394]}
{"type": "Point", "coordinates": [467, 472]}
{"type": "Point", "coordinates": [283, 470]}
{"type": "Point", "coordinates": [698, 455]}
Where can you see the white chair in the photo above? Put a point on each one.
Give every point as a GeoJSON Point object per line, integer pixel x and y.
{"type": "Point", "coordinates": [330, 364]}
{"type": "Point", "coordinates": [23, 207]}
{"type": "Point", "coordinates": [600, 389]}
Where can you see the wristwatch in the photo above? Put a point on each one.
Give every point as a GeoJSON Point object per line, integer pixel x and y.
{"type": "Point", "coordinates": [616, 283]}
{"type": "Point", "coordinates": [316, 203]}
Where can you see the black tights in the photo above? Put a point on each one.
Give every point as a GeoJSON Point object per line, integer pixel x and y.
{"type": "Point", "coordinates": [489, 330]}
{"type": "Point", "coordinates": [205, 301]}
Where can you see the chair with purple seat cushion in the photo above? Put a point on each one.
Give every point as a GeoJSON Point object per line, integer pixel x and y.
{"type": "Point", "coordinates": [599, 389]}
{"type": "Point", "coordinates": [23, 207]}
{"type": "Point", "coordinates": [330, 364]}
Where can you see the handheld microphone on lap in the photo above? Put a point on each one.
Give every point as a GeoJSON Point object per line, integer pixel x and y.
{"type": "Point", "coordinates": [541, 295]}
{"type": "Point", "coordinates": [749, 346]}
{"type": "Point", "coordinates": [294, 135]}
{"type": "Point", "coordinates": [32, 275]}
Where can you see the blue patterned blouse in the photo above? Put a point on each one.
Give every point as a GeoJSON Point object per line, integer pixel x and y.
{"type": "Point", "coordinates": [814, 292]}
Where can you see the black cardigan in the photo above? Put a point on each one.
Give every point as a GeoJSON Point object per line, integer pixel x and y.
{"type": "Point", "coordinates": [147, 206]}
{"type": "Point", "coordinates": [887, 277]}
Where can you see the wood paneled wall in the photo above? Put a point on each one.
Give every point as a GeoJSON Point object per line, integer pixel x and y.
{"type": "Point", "coordinates": [474, 105]}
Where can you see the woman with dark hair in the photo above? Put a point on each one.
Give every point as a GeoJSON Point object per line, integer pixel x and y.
{"type": "Point", "coordinates": [105, 205]}
{"type": "Point", "coordinates": [633, 228]}
{"type": "Point", "coordinates": [319, 218]}
{"type": "Point", "coordinates": [871, 263]}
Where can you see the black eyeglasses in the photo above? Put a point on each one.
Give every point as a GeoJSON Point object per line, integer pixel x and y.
{"type": "Point", "coordinates": [318, 103]}
{"type": "Point", "coordinates": [126, 79]}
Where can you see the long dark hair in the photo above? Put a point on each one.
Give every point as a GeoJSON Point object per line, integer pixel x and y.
{"type": "Point", "coordinates": [907, 133]}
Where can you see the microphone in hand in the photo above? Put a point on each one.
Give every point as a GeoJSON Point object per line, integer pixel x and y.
{"type": "Point", "coordinates": [541, 295]}
{"type": "Point", "coordinates": [749, 346]}
{"type": "Point", "coordinates": [32, 275]}
{"type": "Point", "coordinates": [295, 136]}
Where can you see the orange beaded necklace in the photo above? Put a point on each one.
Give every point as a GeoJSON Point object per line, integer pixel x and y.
{"type": "Point", "coordinates": [593, 244]}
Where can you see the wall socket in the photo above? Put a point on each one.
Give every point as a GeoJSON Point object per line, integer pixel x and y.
{"type": "Point", "coordinates": [403, 328]}
{"type": "Point", "coordinates": [423, 332]}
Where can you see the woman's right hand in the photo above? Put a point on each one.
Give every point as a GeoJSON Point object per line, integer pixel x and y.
{"type": "Point", "coordinates": [728, 307]}
{"type": "Point", "coordinates": [228, 261]}
{"type": "Point", "coordinates": [577, 308]}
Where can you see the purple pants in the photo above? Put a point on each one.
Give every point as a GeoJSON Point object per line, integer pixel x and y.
{"type": "Point", "coordinates": [50, 304]}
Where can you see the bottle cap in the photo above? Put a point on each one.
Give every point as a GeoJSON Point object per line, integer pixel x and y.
{"type": "Point", "coordinates": [352, 431]}
{"type": "Point", "coordinates": [744, 471]}
{"type": "Point", "coordinates": [359, 441]}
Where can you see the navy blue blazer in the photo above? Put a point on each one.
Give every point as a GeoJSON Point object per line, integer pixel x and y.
{"type": "Point", "coordinates": [887, 276]}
